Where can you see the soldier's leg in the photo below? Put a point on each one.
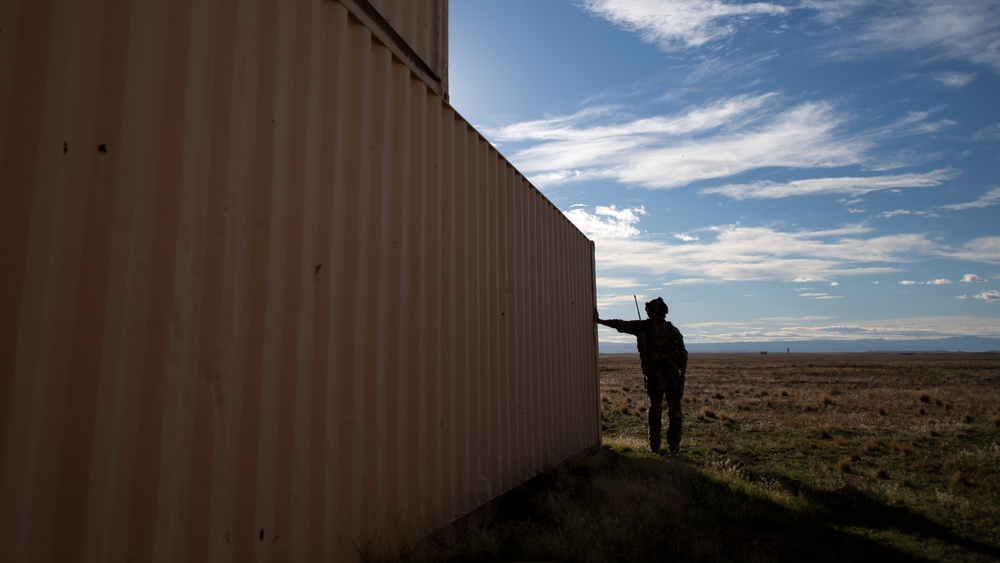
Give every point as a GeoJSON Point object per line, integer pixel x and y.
{"type": "Point", "coordinates": [655, 392]}
{"type": "Point", "coordinates": [675, 394]}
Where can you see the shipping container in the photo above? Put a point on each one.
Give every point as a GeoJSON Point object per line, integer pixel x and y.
{"type": "Point", "coordinates": [265, 295]}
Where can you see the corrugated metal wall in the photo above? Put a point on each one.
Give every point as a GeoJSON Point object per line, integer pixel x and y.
{"type": "Point", "coordinates": [264, 294]}
{"type": "Point", "coordinates": [416, 31]}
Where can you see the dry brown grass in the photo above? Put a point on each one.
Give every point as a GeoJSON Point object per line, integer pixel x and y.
{"type": "Point", "coordinates": [899, 427]}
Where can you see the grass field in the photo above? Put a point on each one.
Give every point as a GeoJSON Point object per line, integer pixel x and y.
{"type": "Point", "coordinates": [849, 457]}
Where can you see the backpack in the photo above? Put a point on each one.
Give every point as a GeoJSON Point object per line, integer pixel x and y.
{"type": "Point", "coordinates": [659, 342]}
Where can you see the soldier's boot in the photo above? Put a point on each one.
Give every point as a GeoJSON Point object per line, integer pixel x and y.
{"type": "Point", "coordinates": [655, 429]}
{"type": "Point", "coordinates": [674, 418]}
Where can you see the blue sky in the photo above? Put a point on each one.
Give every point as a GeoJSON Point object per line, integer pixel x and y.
{"type": "Point", "coordinates": [787, 170]}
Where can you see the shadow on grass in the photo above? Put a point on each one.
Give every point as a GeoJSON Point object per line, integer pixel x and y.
{"type": "Point", "coordinates": [609, 506]}
{"type": "Point", "coordinates": [850, 507]}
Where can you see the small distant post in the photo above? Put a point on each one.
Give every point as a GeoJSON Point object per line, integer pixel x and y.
{"type": "Point", "coordinates": [788, 350]}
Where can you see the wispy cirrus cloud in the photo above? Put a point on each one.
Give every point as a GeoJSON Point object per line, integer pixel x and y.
{"type": "Point", "coordinates": [907, 213]}
{"type": "Point", "coordinates": [618, 283]}
{"type": "Point", "coordinates": [852, 186]}
{"type": "Point", "coordinates": [955, 79]}
{"type": "Point", "coordinates": [613, 122]}
{"type": "Point", "coordinates": [681, 24]}
{"type": "Point", "coordinates": [955, 29]}
{"type": "Point", "coordinates": [965, 30]}
{"type": "Point", "coordinates": [989, 199]}
{"type": "Point", "coordinates": [820, 296]}
{"type": "Point", "coordinates": [982, 249]}
{"type": "Point", "coordinates": [719, 139]}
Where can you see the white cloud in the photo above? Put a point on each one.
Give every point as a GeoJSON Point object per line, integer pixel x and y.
{"type": "Point", "coordinates": [940, 281]}
{"type": "Point", "coordinates": [954, 29]}
{"type": "Point", "coordinates": [765, 254]}
{"type": "Point", "coordinates": [611, 122]}
{"type": "Point", "coordinates": [685, 237]}
{"type": "Point", "coordinates": [972, 278]}
{"type": "Point", "coordinates": [607, 222]}
{"type": "Point", "coordinates": [896, 212]}
{"type": "Point", "coordinates": [620, 283]}
{"type": "Point", "coordinates": [718, 139]}
{"type": "Point", "coordinates": [989, 199]}
{"type": "Point", "coordinates": [723, 138]}
{"type": "Point", "coordinates": [955, 79]}
{"type": "Point", "coordinates": [811, 328]}
{"type": "Point", "coordinates": [921, 122]}
{"type": "Point", "coordinates": [991, 296]}
{"type": "Point", "coordinates": [959, 29]}
{"type": "Point", "coordinates": [801, 137]}
{"type": "Point", "coordinates": [820, 296]}
{"type": "Point", "coordinates": [834, 284]}
{"type": "Point", "coordinates": [677, 24]}
{"type": "Point", "coordinates": [963, 30]}
{"type": "Point", "coordinates": [832, 10]}
{"type": "Point", "coordinates": [983, 249]}
{"type": "Point", "coordinates": [988, 133]}
{"type": "Point", "coordinates": [853, 186]}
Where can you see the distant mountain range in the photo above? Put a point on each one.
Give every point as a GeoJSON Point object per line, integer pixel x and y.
{"type": "Point", "coordinates": [953, 344]}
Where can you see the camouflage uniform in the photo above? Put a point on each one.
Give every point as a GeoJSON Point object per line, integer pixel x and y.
{"type": "Point", "coordinates": [664, 366]}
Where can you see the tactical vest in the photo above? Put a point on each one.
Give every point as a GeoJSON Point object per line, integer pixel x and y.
{"type": "Point", "coordinates": [657, 342]}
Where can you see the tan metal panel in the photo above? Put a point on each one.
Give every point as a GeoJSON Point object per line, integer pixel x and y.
{"type": "Point", "coordinates": [415, 30]}
{"type": "Point", "coordinates": [266, 295]}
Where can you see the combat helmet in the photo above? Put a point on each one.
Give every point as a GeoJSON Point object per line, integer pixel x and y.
{"type": "Point", "coordinates": [656, 308]}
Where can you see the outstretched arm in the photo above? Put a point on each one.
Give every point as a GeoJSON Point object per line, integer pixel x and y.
{"type": "Point", "coordinates": [628, 327]}
{"type": "Point", "coordinates": [600, 321]}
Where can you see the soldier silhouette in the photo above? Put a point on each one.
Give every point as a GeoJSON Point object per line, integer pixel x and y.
{"type": "Point", "coordinates": [664, 366]}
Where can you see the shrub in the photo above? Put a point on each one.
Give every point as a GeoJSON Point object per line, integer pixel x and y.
{"type": "Point", "coordinates": [844, 464]}
{"type": "Point", "coordinates": [904, 448]}
{"type": "Point", "coordinates": [872, 446]}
